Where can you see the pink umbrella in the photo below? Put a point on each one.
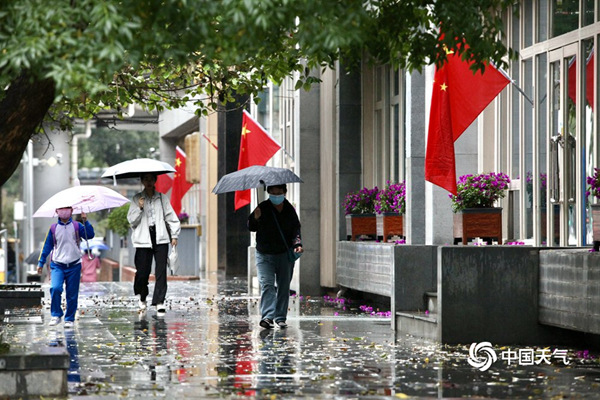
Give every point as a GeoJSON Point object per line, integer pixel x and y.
{"type": "Point", "coordinates": [86, 198]}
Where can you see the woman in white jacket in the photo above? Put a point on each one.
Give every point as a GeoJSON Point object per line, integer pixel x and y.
{"type": "Point", "coordinates": [154, 225]}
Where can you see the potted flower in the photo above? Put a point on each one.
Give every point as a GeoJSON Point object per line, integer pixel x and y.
{"type": "Point", "coordinates": [593, 182]}
{"type": "Point", "coordinates": [473, 205]}
{"type": "Point", "coordinates": [390, 205]}
{"type": "Point", "coordinates": [183, 217]}
{"type": "Point", "coordinates": [359, 208]}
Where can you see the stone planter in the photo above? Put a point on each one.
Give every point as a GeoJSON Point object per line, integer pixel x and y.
{"type": "Point", "coordinates": [361, 225]}
{"type": "Point", "coordinates": [389, 224]}
{"type": "Point", "coordinates": [20, 296]}
{"type": "Point", "coordinates": [485, 223]}
{"type": "Point", "coordinates": [596, 225]}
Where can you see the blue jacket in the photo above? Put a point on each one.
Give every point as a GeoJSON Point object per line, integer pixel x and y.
{"type": "Point", "coordinates": [85, 231]}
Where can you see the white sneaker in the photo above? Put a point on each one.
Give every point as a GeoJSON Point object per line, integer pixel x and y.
{"type": "Point", "coordinates": [54, 321]}
{"type": "Point", "coordinates": [142, 304]}
{"type": "Point", "coordinates": [69, 324]}
{"type": "Point", "coordinates": [160, 308]}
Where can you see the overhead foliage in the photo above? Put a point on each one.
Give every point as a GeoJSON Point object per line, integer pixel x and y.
{"type": "Point", "coordinates": [66, 59]}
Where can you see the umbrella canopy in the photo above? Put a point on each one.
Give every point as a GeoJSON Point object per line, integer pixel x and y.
{"type": "Point", "coordinates": [33, 257]}
{"type": "Point", "coordinates": [134, 168]}
{"type": "Point", "coordinates": [253, 177]}
{"type": "Point", "coordinates": [87, 198]}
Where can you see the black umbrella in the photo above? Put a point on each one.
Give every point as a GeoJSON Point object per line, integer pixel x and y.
{"type": "Point", "coordinates": [254, 177]}
{"type": "Point", "coordinates": [33, 257]}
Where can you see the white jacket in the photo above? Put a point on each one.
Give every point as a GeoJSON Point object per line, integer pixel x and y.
{"type": "Point", "coordinates": [139, 222]}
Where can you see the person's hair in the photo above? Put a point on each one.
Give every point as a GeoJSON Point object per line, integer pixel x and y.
{"type": "Point", "coordinates": [147, 173]}
{"type": "Point", "coordinates": [282, 187]}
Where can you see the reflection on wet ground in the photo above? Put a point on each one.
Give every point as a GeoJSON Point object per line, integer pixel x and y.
{"type": "Point", "coordinates": [209, 344]}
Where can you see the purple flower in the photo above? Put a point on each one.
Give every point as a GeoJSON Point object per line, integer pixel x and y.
{"type": "Point", "coordinates": [391, 198]}
{"type": "Point", "coordinates": [361, 202]}
{"type": "Point", "coordinates": [594, 184]}
{"type": "Point", "coordinates": [478, 191]}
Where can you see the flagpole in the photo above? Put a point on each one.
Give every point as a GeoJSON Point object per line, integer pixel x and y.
{"type": "Point", "coordinates": [514, 84]}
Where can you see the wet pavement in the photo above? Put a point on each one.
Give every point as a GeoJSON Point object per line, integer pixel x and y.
{"type": "Point", "coordinates": [209, 345]}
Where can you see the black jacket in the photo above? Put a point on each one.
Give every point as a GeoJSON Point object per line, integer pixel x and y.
{"type": "Point", "coordinates": [268, 238]}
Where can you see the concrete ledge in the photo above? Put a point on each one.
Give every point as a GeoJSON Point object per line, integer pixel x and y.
{"type": "Point", "coordinates": [38, 372]}
{"type": "Point", "coordinates": [417, 324]}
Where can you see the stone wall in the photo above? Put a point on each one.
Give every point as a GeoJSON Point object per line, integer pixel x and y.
{"type": "Point", "coordinates": [570, 289]}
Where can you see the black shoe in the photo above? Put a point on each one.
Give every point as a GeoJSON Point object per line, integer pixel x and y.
{"type": "Point", "coordinates": [266, 323]}
{"type": "Point", "coordinates": [281, 324]}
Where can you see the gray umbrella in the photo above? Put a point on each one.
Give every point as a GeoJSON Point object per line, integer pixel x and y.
{"type": "Point", "coordinates": [254, 177]}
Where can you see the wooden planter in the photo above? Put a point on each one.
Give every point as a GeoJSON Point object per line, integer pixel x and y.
{"type": "Point", "coordinates": [389, 224]}
{"type": "Point", "coordinates": [596, 225]}
{"type": "Point", "coordinates": [361, 224]}
{"type": "Point", "coordinates": [485, 223]}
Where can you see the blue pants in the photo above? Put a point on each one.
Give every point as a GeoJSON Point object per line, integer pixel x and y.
{"type": "Point", "coordinates": [274, 268]}
{"type": "Point", "coordinates": [68, 275]}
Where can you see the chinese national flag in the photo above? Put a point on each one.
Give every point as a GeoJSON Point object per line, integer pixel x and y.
{"type": "Point", "coordinates": [458, 97]}
{"type": "Point", "coordinates": [180, 185]}
{"type": "Point", "coordinates": [589, 80]}
{"type": "Point", "coordinates": [256, 148]}
{"type": "Point", "coordinates": [163, 183]}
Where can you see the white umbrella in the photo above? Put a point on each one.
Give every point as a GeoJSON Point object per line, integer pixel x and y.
{"type": "Point", "coordinates": [134, 168]}
{"type": "Point", "coordinates": [86, 198]}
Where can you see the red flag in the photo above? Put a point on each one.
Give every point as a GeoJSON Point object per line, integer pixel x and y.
{"type": "Point", "coordinates": [256, 148]}
{"type": "Point", "coordinates": [458, 97]}
{"type": "Point", "coordinates": [180, 185]}
{"type": "Point", "coordinates": [589, 80]}
{"type": "Point", "coordinates": [163, 183]}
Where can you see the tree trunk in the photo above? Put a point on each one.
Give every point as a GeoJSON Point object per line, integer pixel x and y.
{"type": "Point", "coordinates": [22, 110]}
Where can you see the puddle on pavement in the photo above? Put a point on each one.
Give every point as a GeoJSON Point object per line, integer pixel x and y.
{"type": "Point", "coordinates": [209, 345]}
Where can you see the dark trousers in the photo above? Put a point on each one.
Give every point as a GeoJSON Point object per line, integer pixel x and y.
{"type": "Point", "coordinates": [143, 266]}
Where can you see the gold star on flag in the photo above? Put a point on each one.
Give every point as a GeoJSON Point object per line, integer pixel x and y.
{"type": "Point", "coordinates": [443, 86]}
{"type": "Point", "coordinates": [177, 162]}
{"type": "Point", "coordinates": [245, 130]}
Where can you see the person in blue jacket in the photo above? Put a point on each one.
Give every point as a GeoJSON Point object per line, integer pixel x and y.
{"type": "Point", "coordinates": [65, 266]}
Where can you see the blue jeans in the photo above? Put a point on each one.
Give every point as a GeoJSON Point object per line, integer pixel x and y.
{"type": "Point", "coordinates": [274, 268]}
{"type": "Point", "coordinates": [68, 275]}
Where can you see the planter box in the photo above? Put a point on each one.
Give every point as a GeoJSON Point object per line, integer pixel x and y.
{"type": "Point", "coordinates": [485, 223]}
{"type": "Point", "coordinates": [361, 224]}
{"type": "Point", "coordinates": [596, 225]}
{"type": "Point", "coordinates": [389, 224]}
{"type": "Point", "coordinates": [20, 295]}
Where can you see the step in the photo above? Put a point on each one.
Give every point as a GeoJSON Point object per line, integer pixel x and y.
{"type": "Point", "coordinates": [417, 323]}
{"type": "Point", "coordinates": [432, 303]}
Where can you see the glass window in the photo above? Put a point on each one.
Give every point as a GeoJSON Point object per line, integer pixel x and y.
{"type": "Point", "coordinates": [588, 134]}
{"type": "Point", "coordinates": [542, 23]}
{"type": "Point", "coordinates": [275, 131]}
{"type": "Point", "coordinates": [564, 16]}
{"type": "Point", "coordinates": [528, 22]}
{"type": "Point", "coordinates": [528, 145]}
{"type": "Point", "coordinates": [263, 109]}
{"type": "Point", "coordinates": [588, 12]}
{"type": "Point", "coordinates": [542, 103]}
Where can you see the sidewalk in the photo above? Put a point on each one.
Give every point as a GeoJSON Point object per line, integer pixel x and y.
{"type": "Point", "coordinates": [209, 344]}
